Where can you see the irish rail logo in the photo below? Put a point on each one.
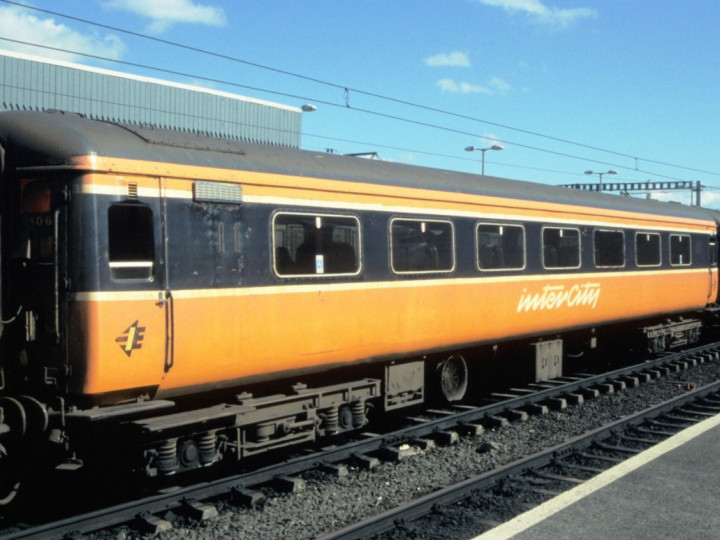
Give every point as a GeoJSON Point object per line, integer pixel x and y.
{"type": "Point", "coordinates": [559, 296]}
{"type": "Point", "coordinates": [132, 338]}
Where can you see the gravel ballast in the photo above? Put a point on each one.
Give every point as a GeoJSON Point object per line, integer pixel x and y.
{"type": "Point", "coordinates": [329, 503]}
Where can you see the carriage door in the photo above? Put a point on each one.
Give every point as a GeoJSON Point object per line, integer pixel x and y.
{"type": "Point", "coordinates": [713, 275]}
{"type": "Point", "coordinates": [37, 275]}
{"type": "Point", "coordinates": [137, 257]}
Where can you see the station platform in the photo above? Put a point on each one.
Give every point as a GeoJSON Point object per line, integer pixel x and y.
{"type": "Point", "coordinates": [670, 491]}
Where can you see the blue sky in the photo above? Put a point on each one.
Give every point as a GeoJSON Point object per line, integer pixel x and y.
{"type": "Point", "coordinates": [564, 86]}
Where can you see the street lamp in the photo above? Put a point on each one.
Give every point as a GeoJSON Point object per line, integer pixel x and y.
{"type": "Point", "coordinates": [483, 150]}
{"type": "Point", "coordinates": [600, 174]}
{"type": "Point", "coordinates": [308, 107]}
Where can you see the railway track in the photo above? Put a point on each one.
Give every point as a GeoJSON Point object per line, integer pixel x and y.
{"type": "Point", "coordinates": [440, 425]}
{"type": "Point", "coordinates": [528, 482]}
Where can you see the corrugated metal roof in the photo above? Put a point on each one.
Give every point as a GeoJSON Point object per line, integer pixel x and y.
{"type": "Point", "coordinates": [32, 83]}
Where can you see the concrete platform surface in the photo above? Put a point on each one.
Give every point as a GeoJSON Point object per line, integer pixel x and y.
{"type": "Point", "coordinates": [670, 491]}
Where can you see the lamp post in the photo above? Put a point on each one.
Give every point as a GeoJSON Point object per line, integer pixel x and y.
{"type": "Point", "coordinates": [600, 174]}
{"type": "Point", "coordinates": [483, 150]}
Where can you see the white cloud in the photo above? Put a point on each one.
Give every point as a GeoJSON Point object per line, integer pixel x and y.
{"type": "Point", "coordinates": [453, 59]}
{"type": "Point", "coordinates": [455, 87]}
{"type": "Point", "coordinates": [499, 85]}
{"type": "Point", "coordinates": [17, 24]}
{"type": "Point", "coordinates": [405, 157]}
{"type": "Point", "coordinates": [165, 13]}
{"type": "Point", "coordinates": [495, 86]}
{"type": "Point", "coordinates": [710, 199]}
{"type": "Point", "coordinates": [537, 12]}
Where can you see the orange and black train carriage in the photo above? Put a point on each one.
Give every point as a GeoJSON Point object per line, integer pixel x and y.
{"type": "Point", "coordinates": [207, 298]}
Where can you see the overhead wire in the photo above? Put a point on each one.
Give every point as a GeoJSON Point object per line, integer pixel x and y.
{"type": "Point", "coordinates": [434, 154]}
{"type": "Point", "coordinates": [331, 104]}
{"type": "Point", "coordinates": [346, 93]}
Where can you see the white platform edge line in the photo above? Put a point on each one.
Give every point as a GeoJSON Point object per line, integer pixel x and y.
{"type": "Point", "coordinates": [527, 519]}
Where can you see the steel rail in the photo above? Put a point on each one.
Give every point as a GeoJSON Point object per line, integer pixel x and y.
{"type": "Point", "coordinates": [422, 506]}
{"type": "Point", "coordinates": [127, 512]}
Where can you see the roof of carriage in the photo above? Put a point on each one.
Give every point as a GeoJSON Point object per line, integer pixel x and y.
{"type": "Point", "coordinates": [53, 139]}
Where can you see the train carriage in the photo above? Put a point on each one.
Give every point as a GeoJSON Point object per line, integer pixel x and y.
{"type": "Point", "coordinates": [179, 285]}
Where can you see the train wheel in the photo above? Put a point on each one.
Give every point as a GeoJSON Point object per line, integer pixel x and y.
{"type": "Point", "coordinates": [453, 378]}
{"type": "Point", "coordinates": [24, 417]}
{"type": "Point", "coordinates": [10, 475]}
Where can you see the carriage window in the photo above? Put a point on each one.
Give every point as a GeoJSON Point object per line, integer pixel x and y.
{"type": "Point", "coordinates": [500, 247]}
{"type": "Point", "coordinates": [680, 249]}
{"type": "Point", "coordinates": [609, 248]}
{"type": "Point", "coordinates": [561, 248]}
{"type": "Point", "coordinates": [131, 244]}
{"type": "Point", "coordinates": [421, 246]}
{"type": "Point", "coordinates": [313, 244]}
{"type": "Point", "coordinates": [647, 249]}
{"type": "Point", "coordinates": [36, 197]}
